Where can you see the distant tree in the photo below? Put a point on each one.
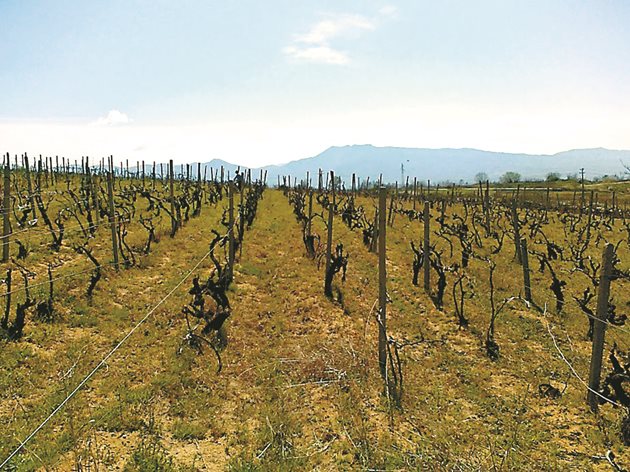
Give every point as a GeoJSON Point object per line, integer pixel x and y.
{"type": "Point", "coordinates": [553, 177]}
{"type": "Point", "coordinates": [573, 176]}
{"type": "Point", "coordinates": [481, 177]}
{"type": "Point", "coordinates": [510, 178]}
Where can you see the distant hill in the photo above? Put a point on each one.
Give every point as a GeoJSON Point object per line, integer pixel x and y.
{"type": "Point", "coordinates": [440, 165]}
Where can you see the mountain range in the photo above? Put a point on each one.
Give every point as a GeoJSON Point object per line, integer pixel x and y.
{"type": "Point", "coordinates": [442, 165]}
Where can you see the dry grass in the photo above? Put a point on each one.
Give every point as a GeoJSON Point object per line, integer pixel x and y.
{"type": "Point", "coordinates": [300, 387]}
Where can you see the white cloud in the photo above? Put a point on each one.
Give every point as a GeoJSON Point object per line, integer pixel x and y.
{"type": "Point", "coordinates": [315, 45]}
{"type": "Point", "coordinates": [343, 25]}
{"type": "Point", "coordinates": [114, 117]}
{"type": "Point", "coordinates": [319, 54]}
{"type": "Point", "coordinates": [389, 11]}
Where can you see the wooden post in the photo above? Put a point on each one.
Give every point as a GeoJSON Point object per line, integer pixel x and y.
{"type": "Point", "coordinates": [526, 279]}
{"type": "Point", "coordinates": [231, 248]}
{"type": "Point", "coordinates": [517, 233]}
{"type": "Point", "coordinates": [426, 249]}
{"type": "Point", "coordinates": [171, 191]}
{"type": "Point", "coordinates": [382, 282]}
{"type": "Point", "coordinates": [310, 212]}
{"type": "Point", "coordinates": [330, 227]}
{"type": "Point", "coordinates": [241, 220]}
{"type": "Point", "coordinates": [112, 217]}
{"type": "Point", "coordinates": [599, 327]}
{"type": "Point", "coordinates": [547, 202]}
{"type": "Point", "coordinates": [390, 216]}
{"type": "Point", "coordinates": [6, 205]}
{"type": "Point", "coordinates": [95, 203]}
{"type": "Point", "coordinates": [29, 185]}
{"type": "Point", "coordinates": [590, 217]}
{"type": "Point", "coordinates": [374, 244]}
{"type": "Point", "coordinates": [415, 190]}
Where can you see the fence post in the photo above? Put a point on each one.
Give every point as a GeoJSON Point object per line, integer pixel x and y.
{"type": "Point", "coordinates": [590, 216]}
{"type": "Point", "coordinates": [382, 282]}
{"type": "Point", "coordinates": [95, 203]}
{"type": "Point", "coordinates": [599, 327]}
{"type": "Point", "coordinates": [426, 249]}
{"type": "Point", "coordinates": [6, 205]}
{"type": "Point", "coordinates": [241, 220]}
{"type": "Point", "coordinates": [29, 185]}
{"type": "Point", "coordinates": [374, 243]}
{"type": "Point", "coordinates": [330, 227]}
{"type": "Point", "coordinates": [112, 217]}
{"type": "Point", "coordinates": [390, 216]}
{"type": "Point", "coordinates": [526, 279]}
{"type": "Point", "coordinates": [517, 233]}
{"type": "Point", "coordinates": [310, 212]}
{"type": "Point", "coordinates": [415, 191]}
{"type": "Point", "coordinates": [172, 197]}
{"type": "Point", "coordinates": [231, 248]}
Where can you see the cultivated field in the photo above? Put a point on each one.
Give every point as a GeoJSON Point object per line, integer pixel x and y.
{"type": "Point", "coordinates": [250, 365]}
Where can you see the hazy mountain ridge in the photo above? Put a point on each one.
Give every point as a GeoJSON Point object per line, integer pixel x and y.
{"type": "Point", "coordinates": [440, 165]}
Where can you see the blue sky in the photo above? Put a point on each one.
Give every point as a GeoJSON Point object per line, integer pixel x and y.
{"type": "Point", "coordinates": [259, 82]}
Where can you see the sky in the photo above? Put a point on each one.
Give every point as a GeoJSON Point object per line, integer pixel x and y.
{"type": "Point", "coordinates": [259, 82]}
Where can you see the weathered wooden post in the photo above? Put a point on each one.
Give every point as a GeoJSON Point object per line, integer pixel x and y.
{"type": "Point", "coordinates": [171, 191]}
{"type": "Point", "coordinates": [310, 212]}
{"type": "Point", "coordinates": [112, 216]}
{"type": "Point", "coordinates": [241, 220]}
{"type": "Point", "coordinates": [426, 249]}
{"type": "Point", "coordinates": [590, 216]}
{"type": "Point", "coordinates": [382, 282]}
{"type": "Point", "coordinates": [6, 205]}
{"type": "Point", "coordinates": [374, 243]}
{"type": "Point", "coordinates": [390, 216]}
{"type": "Point", "coordinates": [29, 186]}
{"type": "Point", "coordinates": [231, 245]}
{"type": "Point", "coordinates": [547, 199]}
{"type": "Point", "coordinates": [95, 200]}
{"type": "Point", "coordinates": [517, 233]}
{"type": "Point", "coordinates": [486, 208]}
{"type": "Point", "coordinates": [415, 191]}
{"type": "Point", "coordinates": [526, 276]}
{"type": "Point", "coordinates": [329, 240]}
{"type": "Point", "coordinates": [599, 327]}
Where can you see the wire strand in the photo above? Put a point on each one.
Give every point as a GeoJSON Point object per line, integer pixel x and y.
{"type": "Point", "coordinates": [100, 364]}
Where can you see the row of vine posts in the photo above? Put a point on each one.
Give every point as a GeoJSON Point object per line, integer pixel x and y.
{"type": "Point", "coordinates": [326, 192]}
